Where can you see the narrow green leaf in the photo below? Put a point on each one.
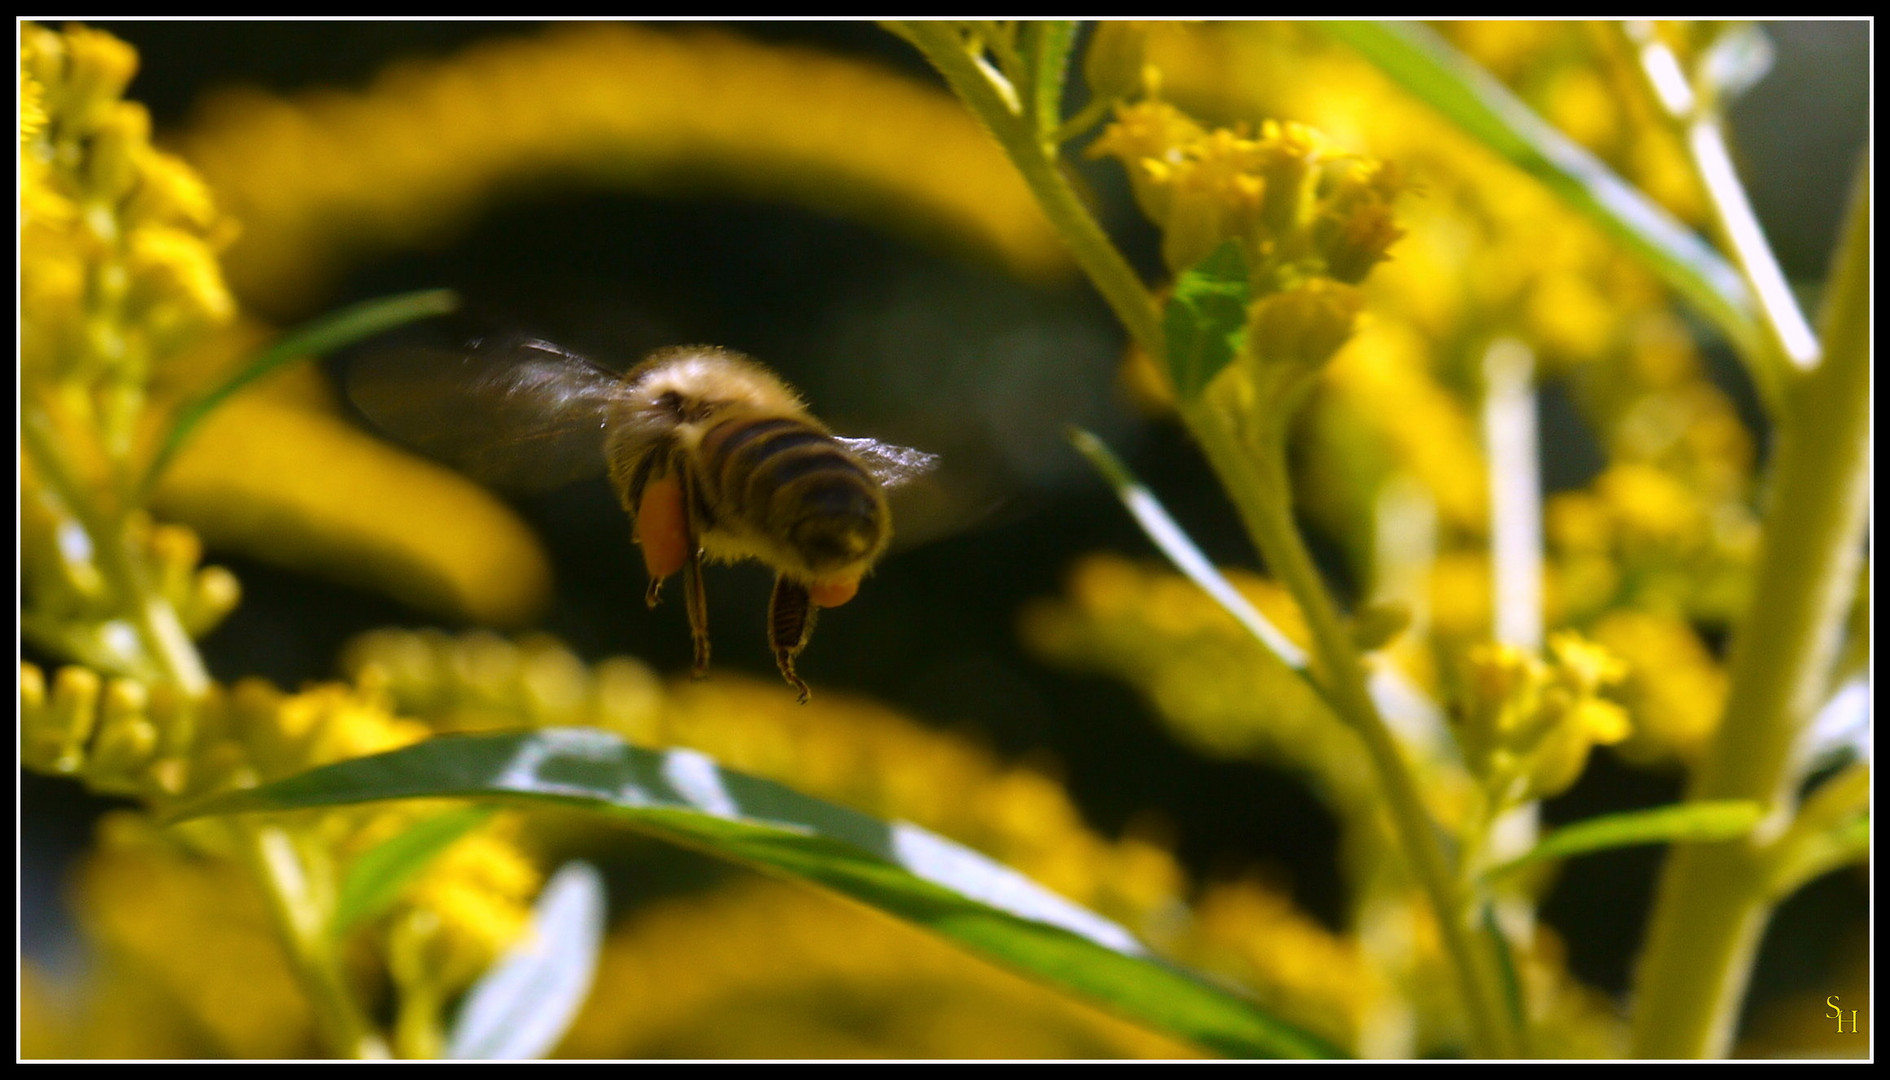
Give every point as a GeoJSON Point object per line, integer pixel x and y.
{"type": "Point", "coordinates": [1047, 45]}
{"type": "Point", "coordinates": [1427, 66]}
{"type": "Point", "coordinates": [683, 796]}
{"type": "Point", "coordinates": [375, 879]}
{"type": "Point", "coordinates": [1697, 822]}
{"type": "Point", "coordinates": [1506, 966]}
{"type": "Point", "coordinates": [520, 1009]}
{"type": "Point", "coordinates": [344, 327]}
{"type": "Point", "coordinates": [1206, 319]}
{"type": "Point", "coordinates": [1181, 550]}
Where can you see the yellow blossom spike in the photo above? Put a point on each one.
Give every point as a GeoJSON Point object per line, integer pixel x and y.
{"type": "Point", "coordinates": [371, 515]}
{"type": "Point", "coordinates": [324, 179]}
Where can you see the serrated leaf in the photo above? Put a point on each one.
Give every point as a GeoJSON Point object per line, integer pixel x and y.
{"type": "Point", "coordinates": [1423, 63]}
{"type": "Point", "coordinates": [900, 869]}
{"type": "Point", "coordinates": [1697, 822]}
{"type": "Point", "coordinates": [521, 1008]}
{"type": "Point", "coordinates": [375, 878]}
{"type": "Point", "coordinates": [1206, 319]}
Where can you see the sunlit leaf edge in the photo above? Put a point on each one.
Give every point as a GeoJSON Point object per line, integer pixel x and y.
{"type": "Point", "coordinates": [684, 797]}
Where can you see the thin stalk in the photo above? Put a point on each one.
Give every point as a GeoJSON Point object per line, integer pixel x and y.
{"type": "Point", "coordinates": [1256, 479]}
{"type": "Point", "coordinates": [303, 924]}
{"type": "Point", "coordinates": [1112, 275]}
{"type": "Point", "coordinates": [1264, 506]}
{"type": "Point", "coordinates": [1785, 342]}
{"type": "Point", "coordinates": [166, 645]}
{"type": "Point", "coordinates": [1714, 900]}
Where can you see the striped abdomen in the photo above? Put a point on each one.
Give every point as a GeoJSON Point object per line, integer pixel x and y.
{"type": "Point", "coordinates": [788, 485]}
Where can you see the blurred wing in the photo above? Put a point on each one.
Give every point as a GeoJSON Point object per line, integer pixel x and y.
{"type": "Point", "coordinates": [892, 466]}
{"type": "Point", "coordinates": [516, 413]}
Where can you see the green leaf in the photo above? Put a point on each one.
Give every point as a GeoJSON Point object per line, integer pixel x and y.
{"type": "Point", "coordinates": [1696, 822]}
{"type": "Point", "coordinates": [1206, 319]}
{"type": "Point", "coordinates": [1181, 550]}
{"type": "Point", "coordinates": [520, 1009]}
{"type": "Point", "coordinates": [375, 879]}
{"type": "Point", "coordinates": [344, 327]}
{"type": "Point", "coordinates": [1506, 967]}
{"type": "Point", "coordinates": [683, 796]}
{"type": "Point", "coordinates": [1426, 65]}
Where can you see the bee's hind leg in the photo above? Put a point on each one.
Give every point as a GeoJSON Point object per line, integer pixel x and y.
{"type": "Point", "coordinates": [696, 600]}
{"type": "Point", "coordinates": [790, 623]}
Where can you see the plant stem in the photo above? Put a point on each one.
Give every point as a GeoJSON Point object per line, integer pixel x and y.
{"type": "Point", "coordinates": [167, 648]}
{"type": "Point", "coordinates": [1258, 487]}
{"type": "Point", "coordinates": [1784, 345]}
{"type": "Point", "coordinates": [1036, 159]}
{"type": "Point", "coordinates": [303, 926]}
{"type": "Point", "coordinates": [1713, 900]}
{"type": "Point", "coordinates": [1255, 477]}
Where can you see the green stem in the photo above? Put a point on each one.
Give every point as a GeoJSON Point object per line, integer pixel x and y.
{"type": "Point", "coordinates": [167, 647]}
{"type": "Point", "coordinates": [302, 924]}
{"type": "Point", "coordinates": [1036, 158]}
{"type": "Point", "coordinates": [1255, 477]}
{"type": "Point", "coordinates": [1713, 900]}
{"type": "Point", "coordinates": [1262, 498]}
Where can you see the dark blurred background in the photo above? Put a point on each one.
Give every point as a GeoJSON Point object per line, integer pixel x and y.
{"type": "Point", "coordinates": [903, 343]}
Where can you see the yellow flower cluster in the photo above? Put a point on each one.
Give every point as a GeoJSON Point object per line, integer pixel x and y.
{"type": "Point", "coordinates": [1527, 725]}
{"type": "Point", "coordinates": [1675, 688]}
{"type": "Point", "coordinates": [1299, 208]}
{"type": "Point", "coordinates": [117, 240]}
{"type": "Point", "coordinates": [329, 177]}
{"type": "Point", "coordinates": [74, 612]}
{"type": "Point", "coordinates": [372, 515]}
{"type": "Point", "coordinates": [1487, 252]}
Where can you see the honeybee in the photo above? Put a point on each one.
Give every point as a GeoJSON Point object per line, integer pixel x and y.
{"type": "Point", "coordinates": [711, 454]}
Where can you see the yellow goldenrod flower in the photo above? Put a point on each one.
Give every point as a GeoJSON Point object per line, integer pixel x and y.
{"type": "Point", "coordinates": [1528, 724]}
{"type": "Point", "coordinates": [371, 515]}
{"type": "Point", "coordinates": [329, 177]}
{"type": "Point", "coordinates": [1674, 686]}
{"type": "Point", "coordinates": [110, 226]}
{"type": "Point", "coordinates": [1298, 207]}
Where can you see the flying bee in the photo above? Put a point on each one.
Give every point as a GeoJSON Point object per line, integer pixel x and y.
{"type": "Point", "coordinates": [711, 454]}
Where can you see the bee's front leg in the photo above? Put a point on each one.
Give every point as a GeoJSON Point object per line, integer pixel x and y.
{"type": "Point", "coordinates": [790, 623]}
